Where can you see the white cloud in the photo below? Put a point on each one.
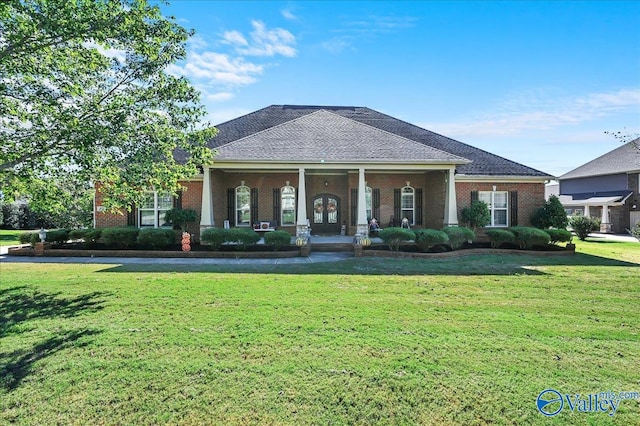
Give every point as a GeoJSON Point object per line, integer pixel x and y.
{"type": "Point", "coordinates": [368, 27]}
{"type": "Point", "coordinates": [219, 97]}
{"type": "Point", "coordinates": [288, 14]}
{"type": "Point", "coordinates": [264, 41]}
{"type": "Point", "coordinates": [218, 68]}
{"type": "Point", "coordinates": [535, 112]}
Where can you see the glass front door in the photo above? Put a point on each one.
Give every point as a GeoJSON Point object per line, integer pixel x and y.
{"type": "Point", "coordinates": [326, 214]}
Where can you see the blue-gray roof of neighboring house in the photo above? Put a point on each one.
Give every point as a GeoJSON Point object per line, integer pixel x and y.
{"type": "Point", "coordinates": [482, 162]}
{"type": "Point", "coordinates": [623, 159]}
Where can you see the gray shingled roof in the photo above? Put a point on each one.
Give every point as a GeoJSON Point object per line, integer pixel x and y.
{"type": "Point", "coordinates": [483, 162]}
{"type": "Point", "coordinates": [623, 159]}
{"type": "Point", "coordinates": [324, 135]}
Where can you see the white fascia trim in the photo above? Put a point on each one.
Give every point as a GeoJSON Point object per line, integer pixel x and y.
{"type": "Point", "coordinates": [508, 178]}
{"type": "Point", "coordinates": [294, 165]}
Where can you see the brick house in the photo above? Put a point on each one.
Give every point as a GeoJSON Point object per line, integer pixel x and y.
{"type": "Point", "coordinates": [325, 169]}
{"type": "Point", "coordinates": [607, 187]}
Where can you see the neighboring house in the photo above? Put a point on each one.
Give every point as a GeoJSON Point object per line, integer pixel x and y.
{"type": "Point", "coordinates": [607, 188]}
{"type": "Point", "coordinates": [328, 168]}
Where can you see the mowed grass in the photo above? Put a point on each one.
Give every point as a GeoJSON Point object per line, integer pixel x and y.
{"type": "Point", "coordinates": [363, 341]}
{"type": "Point", "coordinates": [10, 237]}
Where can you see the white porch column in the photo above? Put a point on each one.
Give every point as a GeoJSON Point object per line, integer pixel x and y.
{"type": "Point", "coordinates": [302, 229]}
{"type": "Point", "coordinates": [206, 213]}
{"type": "Point", "coordinates": [450, 205]}
{"type": "Point", "coordinates": [605, 225]}
{"type": "Point", "coordinates": [587, 213]}
{"type": "Point", "coordinates": [362, 225]}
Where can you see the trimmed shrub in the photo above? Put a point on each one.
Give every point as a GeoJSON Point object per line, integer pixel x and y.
{"type": "Point", "coordinates": [156, 238]}
{"type": "Point", "coordinates": [458, 235]}
{"type": "Point", "coordinates": [121, 237]}
{"type": "Point", "coordinates": [528, 237]}
{"type": "Point", "coordinates": [635, 232]}
{"type": "Point", "coordinates": [215, 237]}
{"type": "Point", "coordinates": [29, 238]}
{"type": "Point", "coordinates": [90, 236]}
{"type": "Point", "coordinates": [551, 215]}
{"type": "Point", "coordinates": [583, 226]}
{"type": "Point", "coordinates": [277, 239]}
{"type": "Point", "coordinates": [57, 236]}
{"type": "Point", "coordinates": [393, 237]}
{"type": "Point", "coordinates": [477, 215]}
{"type": "Point", "coordinates": [242, 237]}
{"type": "Point", "coordinates": [499, 237]}
{"type": "Point", "coordinates": [558, 235]}
{"type": "Point", "coordinates": [427, 238]}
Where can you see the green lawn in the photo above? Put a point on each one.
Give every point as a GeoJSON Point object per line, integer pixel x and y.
{"type": "Point", "coordinates": [364, 341]}
{"type": "Point", "coordinates": [9, 237]}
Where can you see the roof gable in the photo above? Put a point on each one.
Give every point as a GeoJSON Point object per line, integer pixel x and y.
{"type": "Point", "coordinates": [326, 136]}
{"type": "Point", "coordinates": [623, 159]}
{"type": "Point", "coordinates": [483, 163]}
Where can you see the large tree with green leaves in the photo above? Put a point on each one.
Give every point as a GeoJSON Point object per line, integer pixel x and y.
{"type": "Point", "coordinates": [85, 96]}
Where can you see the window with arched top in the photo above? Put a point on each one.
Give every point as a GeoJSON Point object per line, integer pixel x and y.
{"type": "Point", "coordinates": [287, 205]}
{"type": "Point", "coordinates": [243, 206]}
{"type": "Point", "coordinates": [407, 203]}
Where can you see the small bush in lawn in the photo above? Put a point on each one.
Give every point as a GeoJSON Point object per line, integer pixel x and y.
{"type": "Point", "coordinates": [427, 238]}
{"type": "Point", "coordinates": [583, 226]}
{"type": "Point", "coordinates": [90, 236]}
{"type": "Point", "coordinates": [393, 237]}
{"type": "Point", "coordinates": [458, 235]}
{"type": "Point", "coordinates": [277, 239]}
{"type": "Point", "coordinates": [551, 215]}
{"type": "Point", "coordinates": [499, 237]}
{"type": "Point", "coordinates": [558, 235]}
{"type": "Point", "coordinates": [528, 237]}
{"type": "Point", "coordinates": [242, 237]}
{"type": "Point", "coordinates": [121, 237]}
{"type": "Point", "coordinates": [215, 237]}
{"type": "Point", "coordinates": [156, 238]}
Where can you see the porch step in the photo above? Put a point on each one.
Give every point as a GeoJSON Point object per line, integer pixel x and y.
{"type": "Point", "coordinates": [327, 247]}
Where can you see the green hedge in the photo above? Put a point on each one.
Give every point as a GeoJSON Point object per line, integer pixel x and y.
{"type": "Point", "coordinates": [499, 237]}
{"type": "Point", "coordinates": [393, 237]}
{"type": "Point", "coordinates": [558, 235]}
{"type": "Point", "coordinates": [29, 238]}
{"type": "Point", "coordinates": [458, 235]}
{"type": "Point", "coordinates": [528, 237]}
{"type": "Point", "coordinates": [427, 238]}
{"type": "Point", "coordinates": [122, 237]}
{"type": "Point", "coordinates": [56, 236]}
{"type": "Point", "coordinates": [156, 238]}
{"type": "Point", "coordinates": [215, 237]}
{"type": "Point", "coordinates": [277, 239]}
{"type": "Point", "coordinates": [90, 236]}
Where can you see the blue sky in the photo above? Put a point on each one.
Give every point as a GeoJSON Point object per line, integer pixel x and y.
{"type": "Point", "coordinates": [535, 82]}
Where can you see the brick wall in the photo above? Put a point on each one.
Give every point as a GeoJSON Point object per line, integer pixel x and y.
{"type": "Point", "coordinates": [530, 196]}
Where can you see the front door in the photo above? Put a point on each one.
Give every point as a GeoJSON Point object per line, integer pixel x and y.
{"type": "Point", "coordinates": [326, 214]}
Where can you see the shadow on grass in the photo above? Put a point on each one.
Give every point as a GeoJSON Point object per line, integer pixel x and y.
{"type": "Point", "coordinates": [19, 307]}
{"type": "Point", "coordinates": [487, 264]}
{"type": "Point", "coordinates": [17, 365]}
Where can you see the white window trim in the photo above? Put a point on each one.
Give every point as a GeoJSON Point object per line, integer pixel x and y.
{"type": "Point", "coordinates": [493, 209]}
{"type": "Point", "coordinates": [413, 204]}
{"type": "Point", "coordinates": [155, 209]}
{"type": "Point", "coordinates": [237, 209]}
{"type": "Point", "coordinates": [282, 205]}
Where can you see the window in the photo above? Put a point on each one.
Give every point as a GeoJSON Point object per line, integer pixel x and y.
{"type": "Point", "coordinates": [288, 205]}
{"type": "Point", "coordinates": [497, 202]}
{"type": "Point", "coordinates": [368, 202]}
{"type": "Point", "coordinates": [407, 204]}
{"type": "Point", "coordinates": [243, 206]}
{"type": "Point", "coordinates": [151, 212]}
